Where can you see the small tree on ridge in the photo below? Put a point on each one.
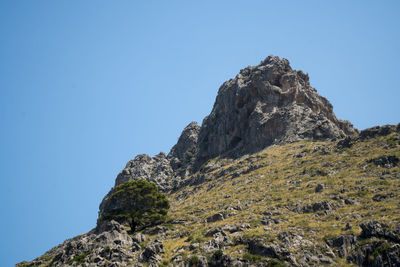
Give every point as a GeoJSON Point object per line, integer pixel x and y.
{"type": "Point", "coordinates": [138, 203]}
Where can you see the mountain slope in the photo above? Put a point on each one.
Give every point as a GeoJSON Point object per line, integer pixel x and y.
{"type": "Point", "coordinates": [299, 204]}
{"type": "Point", "coordinates": [271, 178]}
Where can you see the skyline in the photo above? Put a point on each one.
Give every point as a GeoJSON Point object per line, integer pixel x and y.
{"type": "Point", "coordinates": [87, 86]}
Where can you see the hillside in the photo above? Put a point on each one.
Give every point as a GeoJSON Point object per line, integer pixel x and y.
{"type": "Point", "coordinates": [270, 178]}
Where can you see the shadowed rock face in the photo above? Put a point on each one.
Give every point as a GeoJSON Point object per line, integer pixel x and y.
{"type": "Point", "coordinates": [263, 105]}
{"type": "Point", "coordinates": [184, 152]}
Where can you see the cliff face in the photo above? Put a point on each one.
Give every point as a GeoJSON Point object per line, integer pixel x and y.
{"type": "Point", "coordinates": [267, 104]}
{"type": "Point", "coordinates": [263, 105]}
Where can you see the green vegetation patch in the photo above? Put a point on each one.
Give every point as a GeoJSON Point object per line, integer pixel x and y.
{"type": "Point", "coordinates": [139, 203]}
{"type": "Point", "coordinates": [79, 259]}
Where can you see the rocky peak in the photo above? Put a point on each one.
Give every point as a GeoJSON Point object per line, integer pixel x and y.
{"type": "Point", "coordinates": [263, 105]}
{"type": "Point", "coordinates": [182, 154]}
{"type": "Point", "coordinates": [165, 171]}
{"type": "Point", "coordinates": [155, 169]}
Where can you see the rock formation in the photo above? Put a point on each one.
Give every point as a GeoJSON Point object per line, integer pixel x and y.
{"type": "Point", "coordinates": [263, 105]}
{"type": "Point", "coordinates": [235, 204]}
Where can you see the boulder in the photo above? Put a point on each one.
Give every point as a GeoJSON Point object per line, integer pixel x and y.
{"type": "Point", "coordinates": [150, 253]}
{"type": "Point", "coordinates": [215, 217]}
{"type": "Point", "coordinates": [385, 161]}
{"type": "Point", "coordinates": [347, 142]}
{"type": "Point", "coordinates": [343, 244]}
{"type": "Point", "coordinates": [319, 188]}
{"type": "Point", "coordinates": [259, 247]}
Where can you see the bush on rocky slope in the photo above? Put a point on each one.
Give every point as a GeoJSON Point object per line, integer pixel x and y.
{"type": "Point", "coordinates": [137, 203]}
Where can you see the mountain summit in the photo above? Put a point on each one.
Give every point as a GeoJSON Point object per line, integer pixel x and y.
{"type": "Point", "coordinates": [263, 105]}
{"type": "Point", "coordinates": [267, 104]}
{"type": "Point", "coordinates": [270, 178]}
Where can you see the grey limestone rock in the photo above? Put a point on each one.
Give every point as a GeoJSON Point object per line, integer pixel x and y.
{"type": "Point", "coordinates": [108, 243]}
{"type": "Point", "coordinates": [152, 251]}
{"type": "Point", "coordinates": [373, 228]}
{"type": "Point", "coordinates": [155, 169]}
{"type": "Point", "coordinates": [378, 131]}
{"type": "Point", "coordinates": [385, 161]}
{"type": "Point", "coordinates": [319, 188]}
{"type": "Point", "coordinates": [323, 206]}
{"type": "Point", "coordinates": [376, 254]}
{"type": "Point", "coordinates": [182, 154]}
{"type": "Point", "coordinates": [215, 217]}
{"type": "Point", "coordinates": [259, 247]}
{"type": "Point", "coordinates": [343, 244]}
{"type": "Point", "coordinates": [263, 105]}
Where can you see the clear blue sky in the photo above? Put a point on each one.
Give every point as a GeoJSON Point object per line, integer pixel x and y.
{"type": "Point", "coordinates": [87, 85]}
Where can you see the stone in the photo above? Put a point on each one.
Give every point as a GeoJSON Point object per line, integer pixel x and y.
{"type": "Point", "coordinates": [291, 240]}
{"type": "Point", "coordinates": [182, 155]}
{"type": "Point", "coordinates": [319, 188]}
{"type": "Point", "coordinates": [376, 254]}
{"type": "Point", "coordinates": [150, 253]}
{"type": "Point", "coordinates": [269, 221]}
{"type": "Point", "coordinates": [385, 161]}
{"type": "Point", "coordinates": [219, 241]}
{"type": "Point", "coordinates": [347, 142]}
{"type": "Point", "coordinates": [215, 217]}
{"type": "Point", "coordinates": [378, 131]}
{"type": "Point", "coordinates": [258, 247]}
{"type": "Point", "coordinates": [373, 228]}
{"type": "Point", "coordinates": [194, 246]}
{"type": "Point", "coordinates": [343, 244]}
{"type": "Point", "coordinates": [379, 197]}
{"type": "Point", "coordinates": [324, 206]}
{"type": "Point", "coordinates": [139, 238]}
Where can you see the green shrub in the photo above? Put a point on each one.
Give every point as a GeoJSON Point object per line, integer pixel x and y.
{"type": "Point", "coordinates": [79, 259]}
{"type": "Point", "coordinates": [137, 202]}
{"type": "Point", "coordinates": [218, 254]}
{"type": "Point", "coordinates": [382, 248]}
{"type": "Point", "coordinates": [251, 258]}
{"type": "Point", "coordinates": [275, 263]}
{"type": "Point", "coordinates": [194, 261]}
{"type": "Point", "coordinates": [195, 239]}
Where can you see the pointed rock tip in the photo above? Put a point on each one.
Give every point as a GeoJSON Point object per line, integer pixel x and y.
{"type": "Point", "coordinates": [271, 59]}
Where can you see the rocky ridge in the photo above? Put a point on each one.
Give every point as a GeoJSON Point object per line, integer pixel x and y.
{"type": "Point", "coordinates": [263, 105]}
{"type": "Point", "coordinates": [271, 178]}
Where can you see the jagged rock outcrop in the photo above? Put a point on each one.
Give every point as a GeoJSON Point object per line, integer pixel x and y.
{"type": "Point", "coordinates": [379, 131]}
{"type": "Point", "coordinates": [165, 171]}
{"type": "Point", "coordinates": [380, 245]}
{"type": "Point", "coordinates": [155, 169]}
{"type": "Point", "coordinates": [106, 245]}
{"type": "Point", "coordinates": [263, 105]}
{"type": "Point", "coordinates": [182, 154]}
{"type": "Point", "coordinates": [267, 104]}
